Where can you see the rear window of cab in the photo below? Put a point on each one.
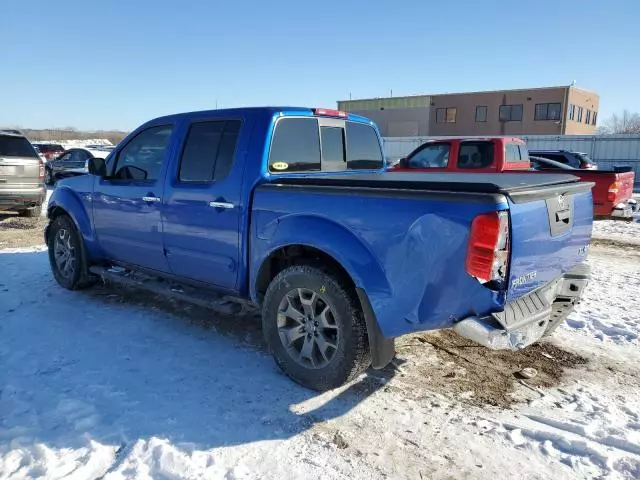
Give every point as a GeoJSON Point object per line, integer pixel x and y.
{"type": "Point", "coordinates": [307, 144]}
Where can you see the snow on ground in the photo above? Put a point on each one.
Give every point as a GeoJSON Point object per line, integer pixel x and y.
{"type": "Point", "coordinates": [96, 384]}
{"type": "Point", "coordinates": [618, 230]}
{"type": "Point", "coordinates": [611, 310]}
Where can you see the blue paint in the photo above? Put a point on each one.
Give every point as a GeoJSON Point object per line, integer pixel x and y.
{"type": "Point", "coordinates": [407, 253]}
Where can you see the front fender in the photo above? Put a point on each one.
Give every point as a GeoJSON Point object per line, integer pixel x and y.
{"type": "Point", "coordinates": [76, 205]}
{"type": "Point", "coordinates": [323, 234]}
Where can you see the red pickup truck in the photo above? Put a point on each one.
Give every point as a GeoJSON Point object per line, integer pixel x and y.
{"type": "Point", "coordinates": [611, 194]}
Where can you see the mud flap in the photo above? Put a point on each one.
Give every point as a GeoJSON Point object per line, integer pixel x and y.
{"type": "Point", "coordinates": [382, 348]}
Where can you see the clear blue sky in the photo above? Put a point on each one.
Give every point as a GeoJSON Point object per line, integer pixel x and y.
{"type": "Point", "coordinates": [115, 64]}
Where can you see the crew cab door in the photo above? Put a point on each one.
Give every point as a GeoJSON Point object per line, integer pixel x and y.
{"type": "Point", "coordinates": [202, 205]}
{"type": "Point", "coordinates": [127, 203]}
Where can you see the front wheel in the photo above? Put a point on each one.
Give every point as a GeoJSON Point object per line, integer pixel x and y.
{"type": "Point", "coordinates": [314, 328]}
{"type": "Point", "coordinates": [65, 254]}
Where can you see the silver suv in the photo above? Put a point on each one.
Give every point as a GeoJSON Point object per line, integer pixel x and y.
{"type": "Point", "coordinates": [22, 187]}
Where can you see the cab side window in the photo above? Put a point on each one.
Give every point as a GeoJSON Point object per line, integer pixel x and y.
{"type": "Point", "coordinates": [475, 155]}
{"type": "Point", "coordinates": [209, 151]}
{"type": "Point", "coordinates": [434, 155]}
{"type": "Point", "coordinates": [141, 158]}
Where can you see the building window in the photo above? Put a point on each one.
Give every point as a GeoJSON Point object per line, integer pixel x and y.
{"type": "Point", "coordinates": [481, 113]}
{"type": "Point", "coordinates": [510, 113]}
{"type": "Point", "coordinates": [587, 119]}
{"type": "Point", "coordinates": [547, 111]}
{"type": "Point", "coordinates": [593, 120]}
{"type": "Point", "coordinates": [446, 115]}
{"type": "Point", "coordinates": [572, 111]}
{"type": "Point", "coordinates": [579, 119]}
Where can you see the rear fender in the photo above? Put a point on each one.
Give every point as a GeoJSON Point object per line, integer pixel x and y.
{"type": "Point", "coordinates": [325, 235]}
{"type": "Point", "coordinates": [348, 250]}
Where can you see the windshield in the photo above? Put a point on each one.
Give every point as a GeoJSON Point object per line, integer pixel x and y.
{"type": "Point", "coordinates": [11, 146]}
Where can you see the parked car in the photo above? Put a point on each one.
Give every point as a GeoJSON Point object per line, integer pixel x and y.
{"type": "Point", "coordinates": [42, 157]}
{"type": "Point", "coordinates": [72, 162]}
{"type": "Point", "coordinates": [51, 151]}
{"type": "Point", "coordinates": [613, 190]}
{"type": "Point", "coordinates": [573, 159]}
{"type": "Point", "coordinates": [21, 175]}
{"type": "Point", "coordinates": [289, 210]}
{"type": "Point", "coordinates": [612, 194]}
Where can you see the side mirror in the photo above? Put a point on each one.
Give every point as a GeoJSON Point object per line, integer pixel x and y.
{"type": "Point", "coordinates": [403, 162]}
{"type": "Point", "coordinates": [97, 167]}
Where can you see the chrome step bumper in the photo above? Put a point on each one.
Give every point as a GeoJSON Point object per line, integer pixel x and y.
{"type": "Point", "coordinates": [526, 320]}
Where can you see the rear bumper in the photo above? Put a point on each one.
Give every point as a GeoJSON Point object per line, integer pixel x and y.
{"type": "Point", "coordinates": [625, 210]}
{"type": "Point", "coordinates": [22, 198]}
{"type": "Point", "coordinates": [525, 320]}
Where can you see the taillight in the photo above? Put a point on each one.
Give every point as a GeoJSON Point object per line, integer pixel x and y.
{"type": "Point", "coordinates": [612, 193]}
{"type": "Point", "coordinates": [488, 249]}
{"type": "Point", "coordinates": [41, 173]}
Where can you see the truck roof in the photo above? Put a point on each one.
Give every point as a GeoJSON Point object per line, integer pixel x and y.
{"type": "Point", "coordinates": [247, 111]}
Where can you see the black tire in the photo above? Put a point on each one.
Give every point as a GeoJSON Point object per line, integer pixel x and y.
{"type": "Point", "coordinates": [48, 177]}
{"type": "Point", "coordinates": [351, 355]}
{"type": "Point", "coordinates": [30, 212]}
{"type": "Point", "coordinates": [76, 277]}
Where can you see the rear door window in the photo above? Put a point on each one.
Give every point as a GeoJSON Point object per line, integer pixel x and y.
{"type": "Point", "coordinates": [11, 146]}
{"type": "Point", "coordinates": [208, 151]}
{"type": "Point", "coordinates": [433, 155]}
{"type": "Point", "coordinates": [475, 155]}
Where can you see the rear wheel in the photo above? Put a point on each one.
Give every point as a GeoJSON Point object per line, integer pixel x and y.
{"type": "Point", "coordinates": [314, 328]}
{"type": "Point", "coordinates": [66, 255]}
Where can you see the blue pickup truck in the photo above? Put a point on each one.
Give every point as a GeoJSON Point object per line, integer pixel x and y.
{"type": "Point", "coordinates": [290, 210]}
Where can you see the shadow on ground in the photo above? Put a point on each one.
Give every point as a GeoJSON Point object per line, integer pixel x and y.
{"type": "Point", "coordinates": [116, 365]}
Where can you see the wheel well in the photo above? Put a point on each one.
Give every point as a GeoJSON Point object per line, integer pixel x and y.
{"type": "Point", "coordinates": [300, 255]}
{"type": "Point", "coordinates": [54, 213]}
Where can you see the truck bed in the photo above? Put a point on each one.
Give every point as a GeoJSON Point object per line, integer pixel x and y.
{"type": "Point", "coordinates": [445, 182]}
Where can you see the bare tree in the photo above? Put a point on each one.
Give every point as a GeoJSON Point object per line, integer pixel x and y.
{"type": "Point", "coordinates": [627, 122]}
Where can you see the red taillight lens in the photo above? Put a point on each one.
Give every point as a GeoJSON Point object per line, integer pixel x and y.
{"type": "Point", "coordinates": [41, 174]}
{"type": "Point", "coordinates": [612, 192]}
{"type": "Point", "coordinates": [488, 250]}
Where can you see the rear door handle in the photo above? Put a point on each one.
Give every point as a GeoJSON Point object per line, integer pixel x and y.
{"type": "Point", "coordinates": [150, 199]}
{"type": "Point", "coordinates": [225, 205]}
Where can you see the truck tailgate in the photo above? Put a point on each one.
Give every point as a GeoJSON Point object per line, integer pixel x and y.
{"type": "Point", "coordinates": [551, 232]}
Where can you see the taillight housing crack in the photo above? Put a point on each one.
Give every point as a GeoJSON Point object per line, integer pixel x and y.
{"type": "Point", "coordinates": [488, 249]}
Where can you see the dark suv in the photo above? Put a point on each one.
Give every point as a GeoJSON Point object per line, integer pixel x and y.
{"type": "Point", "coordinates": [21, 175]}
{"type": "Point", "coordinates": [568, 157]}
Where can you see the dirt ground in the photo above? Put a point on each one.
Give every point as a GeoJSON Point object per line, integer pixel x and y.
{"type": "Point", "coordinates": [440, 362]}
{"type": "Point", "coordinates": [18, 231]}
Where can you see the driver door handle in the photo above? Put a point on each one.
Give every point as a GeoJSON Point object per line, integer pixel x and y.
{"type": "Point", "coordinates": [150, 199]}
{"type": "Point", "coordinates": [226, 205]}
